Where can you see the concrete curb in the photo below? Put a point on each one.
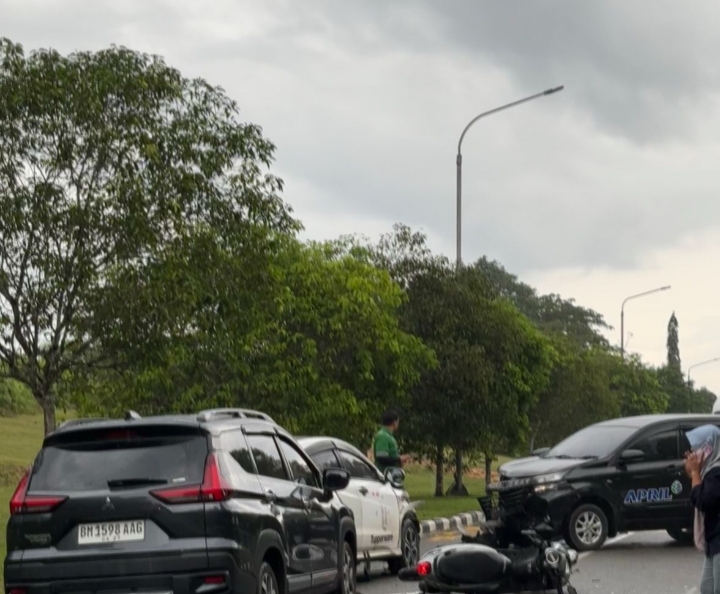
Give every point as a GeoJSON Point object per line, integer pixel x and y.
{"type": "Point", "coordinates": [448, 524]}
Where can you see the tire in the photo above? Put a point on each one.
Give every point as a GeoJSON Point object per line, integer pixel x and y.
{"type": "Point", "coordinates": [587, 528]}
{"type": "Point", "coordinates": [267, 581]}
{"type": "Point", "coordinates": [348, 570]}
{"type": "Point", "coordinates": [682, 535]}
{"type": "Point", "coordinates": [410, 547]}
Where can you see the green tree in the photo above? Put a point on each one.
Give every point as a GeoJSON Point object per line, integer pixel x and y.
{"type": "Point", "coordinates": [109, 159]}
{"type": "Point", "coordinates": [318, 346]}
{"type": "Point", "coordinates": [638, 387]}
{"type": "Point", "coordinates": [551, 313]}
{"type": "Point", "coordinates": [578, 394]}
{"type": "Point", "coordinates": [492, 362]}
{"type": "Point", "coordinates": [673, 343]}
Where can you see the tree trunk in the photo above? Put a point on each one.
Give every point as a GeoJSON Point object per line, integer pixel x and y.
{"type": "Point", "coordinates": [488, 470]}
{"type": "Point", "coordinates": [532, 441]}
{"type": "Point", "coordinates": [48, 406]}
{"type": "Point", "coordinates": [439, 472]}
{"type": "Point", "coordinates": [457, 488]}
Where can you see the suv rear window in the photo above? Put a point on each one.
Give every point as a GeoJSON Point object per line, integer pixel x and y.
{"type": "Point", "coordinates": [99, 459]}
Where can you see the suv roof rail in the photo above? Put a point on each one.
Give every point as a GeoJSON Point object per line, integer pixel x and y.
{"type": "Point", "coordinates": [72, 422]}
{"type": "Point", "coordinates": [234, 413]}
{"type": "Point", "coordinates": [131, 415]}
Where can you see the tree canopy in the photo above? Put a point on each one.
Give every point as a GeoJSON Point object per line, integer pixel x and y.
{"type": "Point", "coordinates": [109, 159]}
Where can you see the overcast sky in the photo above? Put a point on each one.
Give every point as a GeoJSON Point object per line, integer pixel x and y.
{"type": "Point", "coordinates": [607, 189]}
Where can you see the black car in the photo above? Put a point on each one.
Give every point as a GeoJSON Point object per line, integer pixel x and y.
{"type": "Point", "coordinates": [617, 476]}
{"type": "Point", "coordinates": [223, 501]}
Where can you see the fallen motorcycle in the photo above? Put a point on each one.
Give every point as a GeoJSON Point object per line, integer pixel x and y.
{"type": "Point", "coordinates": [471, 568]}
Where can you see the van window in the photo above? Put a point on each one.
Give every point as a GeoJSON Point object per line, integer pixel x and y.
{"type": "Point", "coordinates": [662, 446]}
{"type": "Point", "coordinates": [595, 441]}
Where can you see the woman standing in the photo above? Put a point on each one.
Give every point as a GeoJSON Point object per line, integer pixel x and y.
{"type": "Point", "coordinates": [702, 465]}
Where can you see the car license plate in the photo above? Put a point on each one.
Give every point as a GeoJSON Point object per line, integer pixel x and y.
{"type": "Point", "coordinates": [128, 531]}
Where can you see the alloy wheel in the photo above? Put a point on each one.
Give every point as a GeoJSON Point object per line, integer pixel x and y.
{"type": "Point", "coordinates": [410, 547]}
{"type": "Point", "coordinates": [268, 585]}
{"type": "Point", "coordinates": [588, 528]}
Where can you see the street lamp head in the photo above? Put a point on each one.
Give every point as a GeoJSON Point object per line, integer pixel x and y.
{"type": "Point", "coordinates": [555, 90]}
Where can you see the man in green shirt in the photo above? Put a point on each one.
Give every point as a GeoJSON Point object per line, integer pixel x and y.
{"type": "Point", "coordinates": [385, 447]}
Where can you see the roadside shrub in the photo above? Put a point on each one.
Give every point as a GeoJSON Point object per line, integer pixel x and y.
{"type": "Point", "coordinates": [16, 399]}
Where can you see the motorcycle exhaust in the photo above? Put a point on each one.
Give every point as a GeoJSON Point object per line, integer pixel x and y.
{"type": "Point", "coordinates": [409, 574]}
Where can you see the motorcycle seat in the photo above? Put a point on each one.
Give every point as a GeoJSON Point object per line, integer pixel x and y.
{"type": "Point", "coordinates": [472, 564]}
{"type": "Point", "coordinates": [523, 562]}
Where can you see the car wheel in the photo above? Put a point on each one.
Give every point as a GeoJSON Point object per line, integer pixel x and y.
{"type": "Point", "coordinates": [587, 528]}
{"type": "Point", "coordinates": [681, 535]}
{"type": "Point", "coordinates": [348, 574]}
{"type": "Point", "coordinates": [267, 582]}
{"type": "Point", "coordinates": [410, 547]}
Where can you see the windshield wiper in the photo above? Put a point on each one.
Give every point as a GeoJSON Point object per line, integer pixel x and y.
{"type": "Point", "coordinates": [563, 457]}
{"type": "Point", "coordinates": [134, 482]}
{"type": "Point", "coordinates": [589, 457]}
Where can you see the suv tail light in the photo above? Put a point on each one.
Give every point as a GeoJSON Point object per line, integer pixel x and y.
{"type": "Point", "coordinates": [22, 503]}
{"type": "Point", "coordinates": [214, 487]}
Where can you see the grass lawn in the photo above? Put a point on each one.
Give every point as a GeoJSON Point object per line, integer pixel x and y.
{"type": "Point", "coordinates": [420, 484]}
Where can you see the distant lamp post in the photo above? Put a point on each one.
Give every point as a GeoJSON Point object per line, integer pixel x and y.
{"type": "Point", "coordinates": [699, 364]}
{"type": "Point", "coordinates": [622, 314]}
{"type": "Point", "coordinates": [688, 378]}
{"type": "Point", "coordinates": [458, 161]}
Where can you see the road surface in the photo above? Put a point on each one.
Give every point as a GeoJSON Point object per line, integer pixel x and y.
{"type": "Point", "coordinates": [640, 563]}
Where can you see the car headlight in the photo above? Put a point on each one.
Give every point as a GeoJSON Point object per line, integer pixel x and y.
{"type": "Point", "coordinates": [548, 482]}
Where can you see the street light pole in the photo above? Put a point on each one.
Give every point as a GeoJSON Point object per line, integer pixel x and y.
{"type": "Point", "coordinates": [622, 314]}
{"type": "Point", "coordinates": [688, 377]}
{"type": "Point", "coordinates": [458, 162]}
{"type": "Point", "coordinates": [699, 364]}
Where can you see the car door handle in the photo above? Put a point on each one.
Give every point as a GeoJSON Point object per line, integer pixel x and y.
{"type": "Point", "coordinates": [270, 496]}
{"type": "Point", "coordinates": [363, 491]}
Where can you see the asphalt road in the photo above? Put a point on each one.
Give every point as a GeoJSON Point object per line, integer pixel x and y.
{"type": "Point", "coordinates": [641, 563]}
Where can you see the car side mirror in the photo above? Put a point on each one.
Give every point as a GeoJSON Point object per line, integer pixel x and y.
{"type": "Point", "coordinates": [632, 456]}
{"type": "Point", "coordinates": [395, 476]}
{"type": "Point", "coordinates": [540, 452]}
{"type": "Point", "coordinates": [335, 479]}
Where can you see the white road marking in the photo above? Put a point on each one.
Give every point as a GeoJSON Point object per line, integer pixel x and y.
{"type": "Point", "coordinates": [607, 542]}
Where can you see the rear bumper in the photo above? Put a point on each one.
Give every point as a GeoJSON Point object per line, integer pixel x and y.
{"type": "Point", "coordinates": [158, 575]}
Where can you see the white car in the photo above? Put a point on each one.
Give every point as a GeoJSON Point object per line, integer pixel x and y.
{"type": "Point", "coordinates": [386, 525]}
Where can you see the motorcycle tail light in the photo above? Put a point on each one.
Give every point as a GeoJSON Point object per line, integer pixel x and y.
{"type": "Point", "coordinates": [424, 568]}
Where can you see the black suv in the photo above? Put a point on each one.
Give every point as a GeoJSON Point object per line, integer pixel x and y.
{"type": "Point", "coordinates": [223, 501]}
{"type": "Point", "coordinates": [616, 476]}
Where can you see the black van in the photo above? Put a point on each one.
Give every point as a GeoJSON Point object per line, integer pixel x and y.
{"type": "Point", "coordinates": [616, 476]}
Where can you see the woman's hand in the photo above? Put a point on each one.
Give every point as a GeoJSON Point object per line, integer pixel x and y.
{"type": "Point", "coordinates": [693, 463]}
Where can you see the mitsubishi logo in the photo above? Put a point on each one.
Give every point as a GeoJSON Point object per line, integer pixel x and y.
{"type": "Point", "coordinates": [108, 505]}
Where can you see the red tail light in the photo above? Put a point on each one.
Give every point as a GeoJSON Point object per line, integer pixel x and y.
{"type": "Point", "coordinates": [214, 580]}
{"type": "Point", "coordinates": [22, 503]}
{"type": "Point", "coordinates": [424, 568]}
{"type": "Point", "coordinates": [214, 487]}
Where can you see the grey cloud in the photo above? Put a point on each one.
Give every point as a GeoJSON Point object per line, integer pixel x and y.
{"type": "Point", "coordinates": [365, 100]}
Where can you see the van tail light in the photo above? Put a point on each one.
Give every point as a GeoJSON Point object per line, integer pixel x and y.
{"type": "Point", "coordinates": [22, 503]}
{"type": "Point", "coordinates": [213, 488]}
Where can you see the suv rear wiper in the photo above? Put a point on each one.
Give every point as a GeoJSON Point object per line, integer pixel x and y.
{"type": "Point", "coordinates": [134, 482]}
